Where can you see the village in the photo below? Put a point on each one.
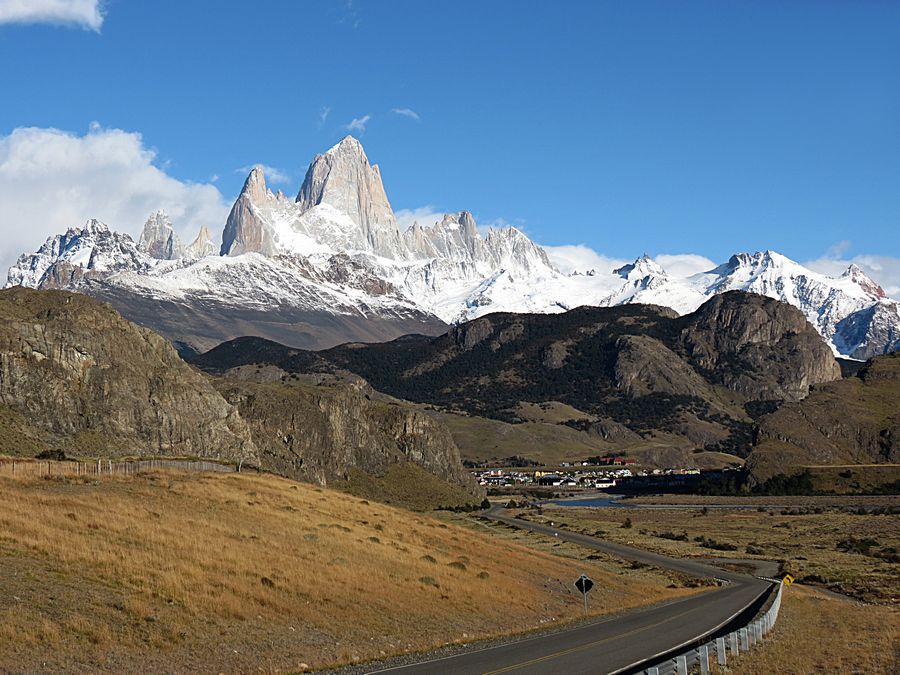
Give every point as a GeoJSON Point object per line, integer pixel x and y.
{"type": "Point", "coordinates": [598, 473]}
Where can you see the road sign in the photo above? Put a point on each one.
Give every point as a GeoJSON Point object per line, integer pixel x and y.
{"type": "Point", "coordinates": [788, 580]}
{"type": "Point", "coordinates": [584, 584]}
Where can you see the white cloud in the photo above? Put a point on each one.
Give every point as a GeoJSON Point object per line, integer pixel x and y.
{"type": "Point", "coordinates": [51, 180]}
{"type": "Point", "coordinates": [323, 115]}
{"type": "Point", "coordinates": [84, 13]}
{"type": "Point", "coordinates": [273, 174]}
{"type": "Point", "coordinates": [884, 270]}
{"type": "Point", "coordinates": [359, 123]}
{"type": "Point", "coordinates": [580, 258]}
{"type": "Point", "coordinates": [684, 264]}
{"type": "Point", "coordinates": [406, 112]}
{"type": "Point", "coordinates": [425, 215]}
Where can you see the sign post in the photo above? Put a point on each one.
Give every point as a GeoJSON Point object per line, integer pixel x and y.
{"type": "Point", "coordinates": [584, 584]}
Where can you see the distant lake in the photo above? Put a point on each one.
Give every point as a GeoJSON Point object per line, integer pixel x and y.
{"type": "Point", "coordinates": [598, 502]}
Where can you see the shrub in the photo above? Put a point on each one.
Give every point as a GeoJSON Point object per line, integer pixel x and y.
{"type": "Point", "coordinates": [57, 455]}
{"type": "Point", "coordinates": [627, 524]}
{"type": "Point", "coordinates": [715, 545]}
{"type": "Point", "coordinates": [863, 545]}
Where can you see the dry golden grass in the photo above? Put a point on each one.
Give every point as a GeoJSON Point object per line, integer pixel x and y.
{"type": "Point", "coordinates": [237, 572]}
{"type": "Point", "coordinates": [819, 634]}
{"type": "Point", "coordinates": [807, 544]}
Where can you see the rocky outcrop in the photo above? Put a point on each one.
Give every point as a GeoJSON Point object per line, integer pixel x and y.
{"type": "Point", "coordinates": [321, 430]}
{"type": "Point", "coordinates": [758, 347]}
{"type": "Point", "coordinates": [99, 385]}
{"type": "Point", "coordinates": [645, 365]}
{"type": "Point", "coordinates": [158, 238]}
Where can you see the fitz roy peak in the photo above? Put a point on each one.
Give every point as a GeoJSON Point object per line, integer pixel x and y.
{"type": "Point", "coordinates": [332, 266]}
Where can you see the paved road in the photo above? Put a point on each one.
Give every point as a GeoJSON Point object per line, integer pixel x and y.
{"type": "Point", "coordinates": [613, 644]}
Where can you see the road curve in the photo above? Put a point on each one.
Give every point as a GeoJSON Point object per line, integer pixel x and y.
{"type": "Point", "coordinates": [612, 644]}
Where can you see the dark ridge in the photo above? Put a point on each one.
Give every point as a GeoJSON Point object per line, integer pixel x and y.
{"type": "Point", "coordinates": [641, 366]}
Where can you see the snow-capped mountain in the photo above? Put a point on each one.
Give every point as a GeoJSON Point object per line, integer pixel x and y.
{"type": "Point", "coordinates": [64, 261]}
{"type": "Point", "coordinates": [332, 266]}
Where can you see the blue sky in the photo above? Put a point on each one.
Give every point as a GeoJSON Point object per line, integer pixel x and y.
{"type": "Point", "coordinates": [659, 127]}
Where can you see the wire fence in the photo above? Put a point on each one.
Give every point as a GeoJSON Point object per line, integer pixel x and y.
{"type": "Point", "coordinates": [103, 467]}
{"type": "Point", "coordinates": [718, 651]}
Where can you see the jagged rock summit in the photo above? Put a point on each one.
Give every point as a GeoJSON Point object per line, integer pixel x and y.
{"type": "Point", "coordinates": [333, 266]}
{"type": "Point", "coordinates": [343, 179]}
{"type": "Point", "coordinates": [158, 238]}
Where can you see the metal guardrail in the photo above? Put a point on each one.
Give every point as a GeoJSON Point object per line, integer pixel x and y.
{"type": "Point", "coordinates": [718, 650]}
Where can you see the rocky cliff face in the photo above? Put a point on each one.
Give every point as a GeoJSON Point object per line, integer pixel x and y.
{"type": "Point", "coordinates": [76, 376]}
{"type": "Point", "coordinates": [343, 179]}
{"type": "Point", "coordinates": [320, 429]}
{"type": "Point", "coordinates": [96, 384]}
{"type": "Point", "coordinates": [246, 230]}
{"type": "Point", "coordinates": [764, 349]}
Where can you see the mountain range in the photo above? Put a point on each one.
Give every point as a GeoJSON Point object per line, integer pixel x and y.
{"type": "Point", "coordinates": [670, 389]}
{"type": "Point", "coordinates": [332, 265]}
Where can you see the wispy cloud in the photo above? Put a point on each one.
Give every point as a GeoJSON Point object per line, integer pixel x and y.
{"type": "Point", "coordinates": [407, 112]}
{"type": "Point", "coordinates": [358, 123]}
{"type": "Point", "coordinates": [350, 14]}
{"type": "Point", "coordinates": [84, 13]}
{"type": "Point", "coordinates": [838, 249]}
{"type": "Point", "coordinates": [273, 174]}
{"type": "Point", "coordinates": [323, 115]}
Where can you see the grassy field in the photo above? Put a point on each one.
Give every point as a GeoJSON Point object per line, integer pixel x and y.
{"type": "Point", "coordinates": [549, 443]}
{"type": "Point", "coordinates": [816, 633]}
{"type": "Point", "coordinates": [239, 572]}
{"type": "Point", "coordinates": [842, 549]}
